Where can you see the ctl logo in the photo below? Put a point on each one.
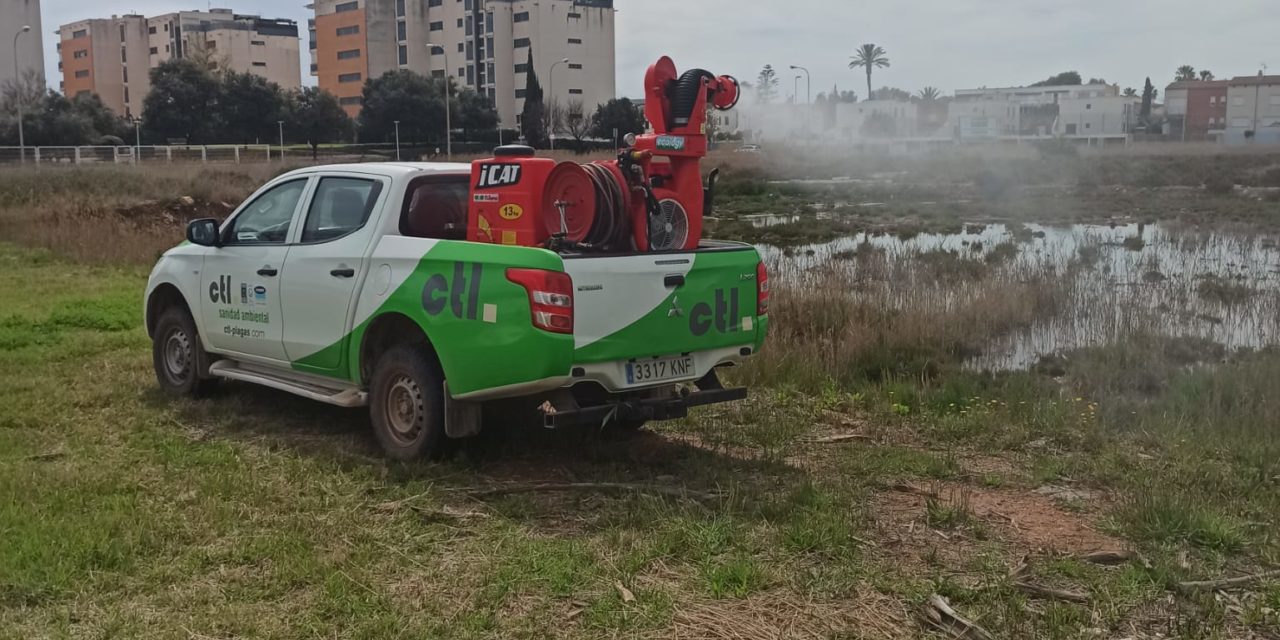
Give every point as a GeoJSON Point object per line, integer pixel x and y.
{"type": "Point", "coordinates": [723, 316]}
{"type": "Point", "coordinates": [461, 295]}
{"type": "Point", "coordinates": [498, 175]}
{"type": "Point", "coordinates": [220, 291]}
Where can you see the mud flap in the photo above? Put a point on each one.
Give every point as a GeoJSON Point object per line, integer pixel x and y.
{"type": "Point", "coordinates": [461, 419]}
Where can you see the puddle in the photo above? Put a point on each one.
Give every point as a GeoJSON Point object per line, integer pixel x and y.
{"type": "Point", "coordinates": [1117, 281]}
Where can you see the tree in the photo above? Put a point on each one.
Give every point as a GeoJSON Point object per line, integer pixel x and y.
{"type": "Point", "coordinates": [1066, 78]}
{"type": "Point", "coordinates": [183, 102]}
{"type": "Point", "coordinates": [29, 89]}
{"type": "Point", "coordinates": [1097, 81]}
{"type": "Point", "coordinates": [1148, 97]}
{"type": "Point", "coordinates": [406, 96]}
{"type": "Point", "coordinates": [619, 114]}
{"type": "Point", "coordinates": [576, 122]}
{"type": "Point", "coordinates": [533, 119]}
{"type": "Point", "coordinates": [869, 57]}
{"type": "Point", "coordinates": [553, 117]}
{"type": "Point", "coordinates": [930, 94]}
{"type": "Point", "coordinates": [1185, 73]}
{"type": "Point", "coordinates": [316, 117]}
{"type": "Point", "coordinates": [767, 85]}
{"type": "Point", "coordinates": [472, 112]}
{"type": "Point", "coordinates": [1130, 92]}
{"type": "Point", "coordinates": [249, 107]}
{"type": "Point", "coordinates": [1206, 75]}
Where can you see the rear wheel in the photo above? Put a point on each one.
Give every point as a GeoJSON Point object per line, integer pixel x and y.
{"type": "Point", "coordinates": [406, 404]}
{"type": "Point", "coordinates": [176, 355]}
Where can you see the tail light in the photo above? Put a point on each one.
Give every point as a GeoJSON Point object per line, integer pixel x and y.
{"type": "Point", "coordinates": [762, 290]}
{"type": "Point", "coordinates": [550, 298]}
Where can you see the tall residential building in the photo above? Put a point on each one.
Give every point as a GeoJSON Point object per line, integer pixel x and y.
{"type": "Point", "coordinates": [95, 54]}
{"type": "Point", "coordinates": [483, 44]}
{"type": "Point", "coordinates": [15, 14]}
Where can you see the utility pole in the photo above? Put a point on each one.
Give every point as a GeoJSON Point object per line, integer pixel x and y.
{"type": "Point", "coordinates": [137, 139]}
{"type": "Point", "coordinates": [280, 126]}
{"type": "Point", "coordinates": [448, 126]}
{"type": "Point", "coordinates": [17, 82]}
{"type": "Point", "coordinates": [397, 140]}
{"type": "Point", "coordinates": [808, 84]}
{"type": "Point", "coordinates": [551, 88]}
{"type": "Point", "coordinates": [1257, 98]}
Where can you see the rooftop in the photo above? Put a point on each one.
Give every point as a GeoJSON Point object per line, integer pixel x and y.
{"type": "Point", "coordinates": [1252, 80]}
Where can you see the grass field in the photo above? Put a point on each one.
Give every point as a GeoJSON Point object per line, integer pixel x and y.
{"type": "Point", "coordinates": [832, 504]}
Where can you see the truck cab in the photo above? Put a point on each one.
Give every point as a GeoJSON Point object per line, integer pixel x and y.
{"type": "Point", "coordinates": [355, 285]}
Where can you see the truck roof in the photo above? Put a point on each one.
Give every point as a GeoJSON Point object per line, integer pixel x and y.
{"type": "Point", "coordinates": [389, 169]}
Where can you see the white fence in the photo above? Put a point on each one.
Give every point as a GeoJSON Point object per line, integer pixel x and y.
{"type": "Point", "coordinates": [146, 154]}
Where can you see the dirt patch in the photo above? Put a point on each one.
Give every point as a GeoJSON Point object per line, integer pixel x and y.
{"type": "Point", "coordinates": [178, 211]}
{"type": "Point", "coordinates": [1028, 521]}
{"type": "Point", "coordinates": [868, 614]}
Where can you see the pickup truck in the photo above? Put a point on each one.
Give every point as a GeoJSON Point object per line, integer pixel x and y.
{"type": "Point", "coordinates": [352, 285]}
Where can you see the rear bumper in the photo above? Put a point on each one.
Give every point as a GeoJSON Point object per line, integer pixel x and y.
{"type": "Point", "coordinates": [613, 375]}
{"type": "Point", "coordinates": [564, 412]}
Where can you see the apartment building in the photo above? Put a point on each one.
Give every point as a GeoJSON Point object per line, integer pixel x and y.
{"type": "Point", "coordinates": [113, 57]}
{"type": "Point", "coordinates": [482, 44]}
{"type": "Point", "coordinates": [1197, 109]}
{"type": "Point", "coordinates": [14, 15]}
{"type": "Point", "coordinates": [1253, 110]}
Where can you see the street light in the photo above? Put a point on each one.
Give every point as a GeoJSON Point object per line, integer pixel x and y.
{"type": "Point", "coordinates": [808, 84]}
{"type": "Point", "coordinates": [397, 140]}
{"type": "Point", "coordinates": [448, 126]}
{"type": "Point", "coordinates": [280, 126]}
{"type": "Point", "coordinates": [795, 90]}
{"type": "Point", "coordinates": [551, 86]}
{"type": "Point", "coordinates": [17, 80]}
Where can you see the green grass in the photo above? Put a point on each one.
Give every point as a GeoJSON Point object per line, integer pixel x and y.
{"type": "Point", "coordinates": [255, 514]}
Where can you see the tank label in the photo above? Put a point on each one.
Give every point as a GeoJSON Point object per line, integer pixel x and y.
{"type": "Point", "coordinates": [511, 211]}
{"type": "Point", "coordinates": [670, 143]}
{"type": "Point", "coordinates": [487, 197]}
{"type": "Point", "coordinates": [498, 175]}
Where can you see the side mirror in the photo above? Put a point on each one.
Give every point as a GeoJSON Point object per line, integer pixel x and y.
{"type": "Point", "coordinates": [203, 232]}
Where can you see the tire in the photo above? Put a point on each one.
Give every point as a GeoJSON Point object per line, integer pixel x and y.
{"type": "Point", "coordinates": [179, 361]}
{"type": "Point", "coordinates": [406, 405]}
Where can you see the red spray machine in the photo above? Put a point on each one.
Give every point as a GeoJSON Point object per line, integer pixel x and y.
{"type": "Point", "coordinates": [651, 198]}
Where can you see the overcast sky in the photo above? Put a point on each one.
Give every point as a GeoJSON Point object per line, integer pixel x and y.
{"type": "Point", "coordinates": [949, 44]}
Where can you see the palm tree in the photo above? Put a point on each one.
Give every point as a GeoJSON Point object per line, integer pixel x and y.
{"type": "Point", "coordinates": [1185, 73]}
{"type": "Point", "coordinates": [1206, 75]}
{"type": "Point", "coordinates": [929, 94]}
{"type": "Point", "coordinates": [869, 56]}
{"type": "Point", "coordinates": [1130, 92]}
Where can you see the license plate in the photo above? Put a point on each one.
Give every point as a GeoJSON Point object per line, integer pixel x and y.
{"type": "Point", "coordinates": [660, 369]}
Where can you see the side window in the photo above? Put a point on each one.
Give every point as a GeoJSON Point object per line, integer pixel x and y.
{"type": "Point", "coordinates": [340, 206]}
{"type": "Point", "coordinates": [267, 219]}
{"type": "Point", "coordinates": [436, 207]}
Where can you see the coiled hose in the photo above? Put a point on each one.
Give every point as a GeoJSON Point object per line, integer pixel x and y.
{"type": "Point", "coordinates": [609, 229]}
{"type": "Point", "coordinates": [686, 95]}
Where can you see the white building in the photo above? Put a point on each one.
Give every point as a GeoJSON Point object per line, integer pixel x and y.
{"type": "Point", "coordinates": [876, 119]}
{"type": "Point", "coordinates": [1091, 111]}
{"type": "Point", "coordinates": [15, 14]}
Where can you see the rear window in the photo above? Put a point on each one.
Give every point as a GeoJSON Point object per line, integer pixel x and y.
{"type": "Point", "coordinates": [436, 207]}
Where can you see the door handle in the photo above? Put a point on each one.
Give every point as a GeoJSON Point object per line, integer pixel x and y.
{"type": "Point", "coordinates": [672, 282]}
{"type": "Point", "coordinates": [268, 272]}
{"type": "Point", "coordinates": [345, 272]}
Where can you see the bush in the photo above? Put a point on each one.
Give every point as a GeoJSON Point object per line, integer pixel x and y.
{"type": "Point", "coordinates": [1219, 185]}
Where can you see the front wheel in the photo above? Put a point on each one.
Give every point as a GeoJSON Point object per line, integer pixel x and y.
{"type": "Point", "coordinates": [406, 404]}
{"type": "Point", "coordinates": [177, 356]}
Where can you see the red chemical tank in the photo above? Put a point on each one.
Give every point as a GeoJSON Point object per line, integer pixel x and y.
{"type": "Point", "coordinates": [650, 199]}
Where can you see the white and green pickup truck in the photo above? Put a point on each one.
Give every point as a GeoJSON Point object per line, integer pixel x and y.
{"type": "Point", "coordinates": [351, 285]}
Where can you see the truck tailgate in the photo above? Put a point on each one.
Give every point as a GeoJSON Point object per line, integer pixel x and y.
{"type": "Point", "coordinates": [659, 304]}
